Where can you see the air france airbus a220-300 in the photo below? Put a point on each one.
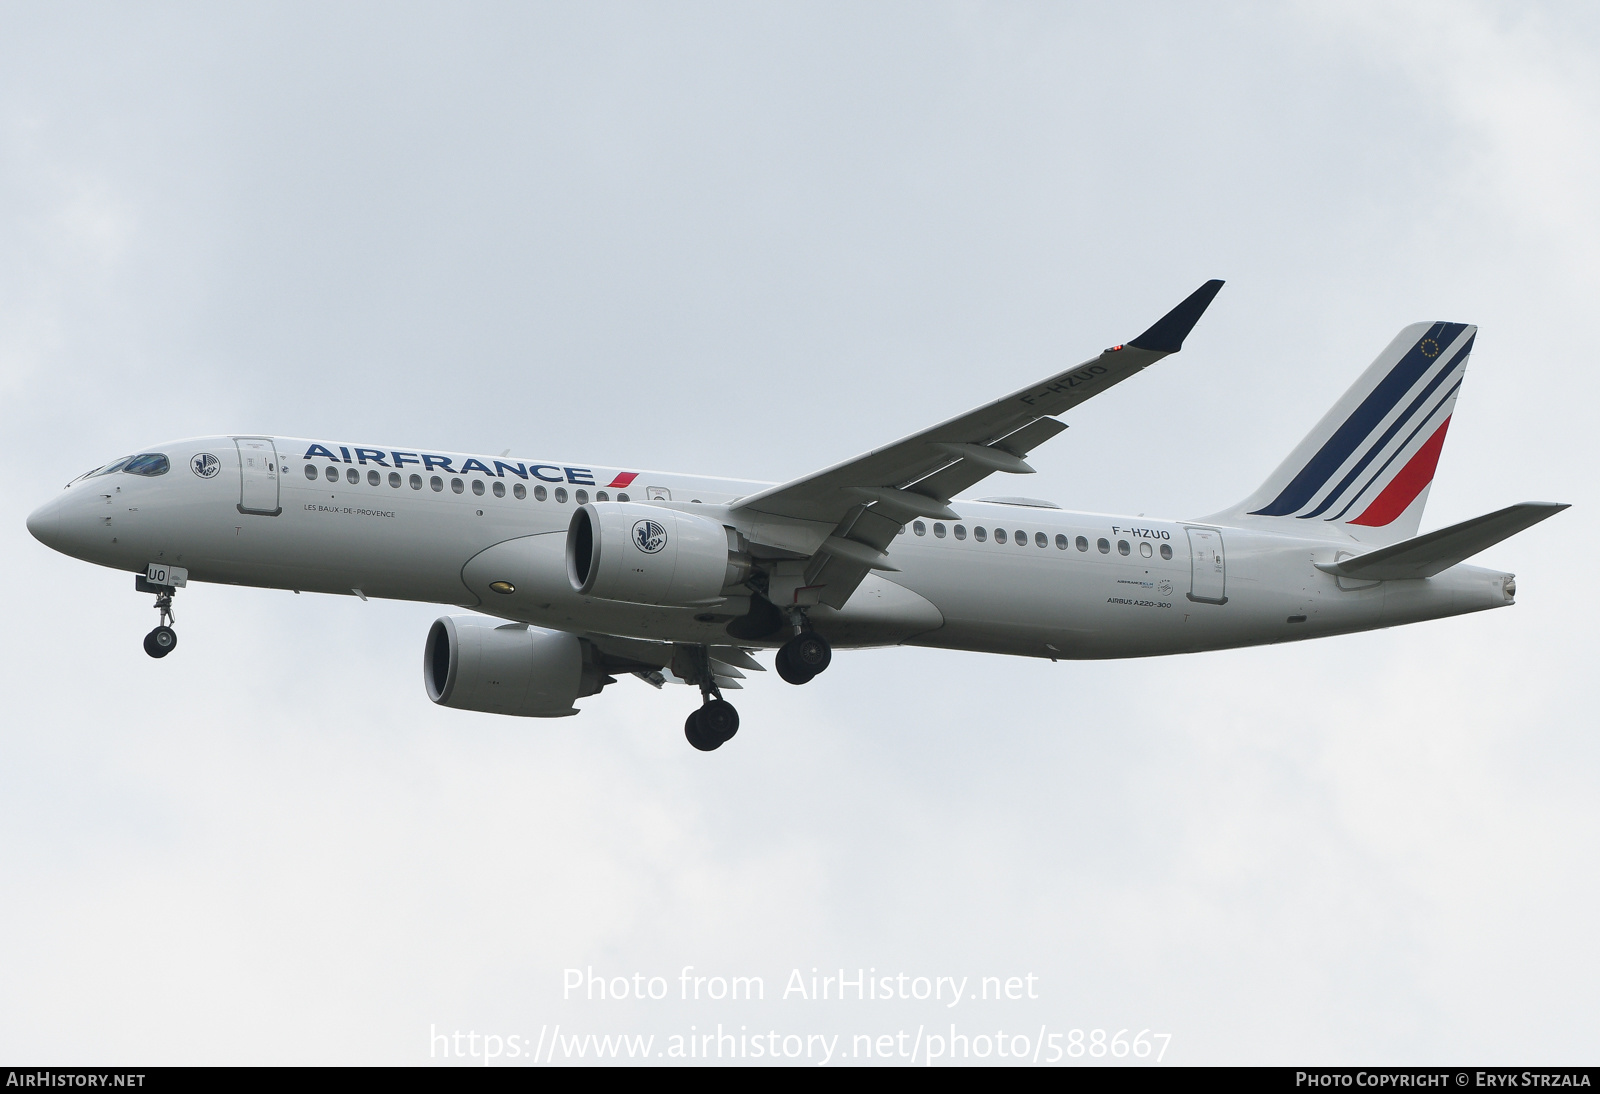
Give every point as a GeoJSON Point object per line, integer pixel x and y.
{"type": "Point", "coordinates": [579, 574]}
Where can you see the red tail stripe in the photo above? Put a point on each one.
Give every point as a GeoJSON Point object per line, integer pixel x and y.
{"type": "Point", "coordinates": [622, 480]}
{"type": "Point", "coordinates": [1404, 487]}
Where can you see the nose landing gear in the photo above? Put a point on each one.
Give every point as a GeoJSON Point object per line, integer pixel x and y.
{"type": "Point", "coordinates": [163, 640]}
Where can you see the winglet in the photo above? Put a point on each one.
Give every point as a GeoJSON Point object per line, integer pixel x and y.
{"type": "Point", "coordinates": [1171, 329]}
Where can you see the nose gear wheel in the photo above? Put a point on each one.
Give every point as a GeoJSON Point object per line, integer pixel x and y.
{"type": "Point", "coordinates": [163, 640]}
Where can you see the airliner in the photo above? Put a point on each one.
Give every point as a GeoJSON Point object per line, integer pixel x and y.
{"type": "Point", "coordinates": [574, 575]}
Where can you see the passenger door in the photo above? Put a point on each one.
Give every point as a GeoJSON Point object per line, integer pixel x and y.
{"type": "Point", "coordinates": [1208, 568]}
{"type": "Point", "coordinates": [258, 476]}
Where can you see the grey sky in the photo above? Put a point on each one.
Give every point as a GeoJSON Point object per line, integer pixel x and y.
{"type": "Point", "coordinates": [753, 240]}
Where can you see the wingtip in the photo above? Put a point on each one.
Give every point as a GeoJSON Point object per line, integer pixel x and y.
{"type": "Point", "coordinates": [1168, 333]}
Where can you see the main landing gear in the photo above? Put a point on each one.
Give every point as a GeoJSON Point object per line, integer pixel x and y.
{"type": "Point", "coordinates": [712, 726]}
{"type": "Point", "coordinates": [802, 657]}
{"type": "Point", "coordinates": [163, 640]}
{"type": "Point", "coordinates": [715, 723]}
{"type": "Point", "coordinates": [805, 655]}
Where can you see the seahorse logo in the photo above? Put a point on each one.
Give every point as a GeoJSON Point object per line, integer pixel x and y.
{"type": "Point", "coordinates": [649, 536]}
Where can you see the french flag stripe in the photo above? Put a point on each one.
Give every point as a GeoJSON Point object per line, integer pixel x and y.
{"type": "Point", "coordinates": [1405, 487]}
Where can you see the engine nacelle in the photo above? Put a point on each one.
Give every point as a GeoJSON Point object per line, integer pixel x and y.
{"type": "Point", "coordinates": [644, 554]}
{"type": "Point", "coordinates": [473, 662]}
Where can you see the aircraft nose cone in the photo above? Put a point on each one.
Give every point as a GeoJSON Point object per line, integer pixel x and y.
{"type": "Point", "coordinates": [45, 524]}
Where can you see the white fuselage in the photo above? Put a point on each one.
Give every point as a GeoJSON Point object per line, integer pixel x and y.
{"type": "Point", "coordinates": [1003, 578]}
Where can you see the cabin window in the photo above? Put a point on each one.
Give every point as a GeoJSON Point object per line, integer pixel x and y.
{"type": "Point", "coordinates": [919, 528]}
{"type": "Point", "coordinates": [1022, 538]}
{"type": "Point", "coordinates": [1122, 547]}
{"type": "Point", "coordinates": [499, 489]}
{"type": "Point", "coordinates": [436, 484]}
{"type": "Point", "coordinates": [352, 476]}
{"type": "Point", "coordinates": [1082, 543]}
{"type": "Point", "coordinates": [1166, 551]}
{"type": "Point", "coordinates": [332, 473]}
{"type": "Point", "coordinates": [581, 497]}
{"type": "Point", "coordinates": [601, 495]}
{"type": "Point", "coordinates": [374, 479]}
{"type": "Point", "coordinates": [1146, 550]}
{"type": "Point", "coordinates": [1041, 540]}
{"type": "Point", "coordinates": [540, 493]}
{"type": "Point", "coordinates": [980, 533]}
{"type": "Point", "coordinates": [999, 535]}
{"type": "Point", "coordinates": [416, 482]}
{"type": "Point", "coordinates": [561, 494]}
{"type": "Point", "coordinates": [1062, 543]}
{"type": "Point", "coordinates": [622, 497]}
{"type": "Point", "coordinates": [311, 472]}
{"type": "Point", "coordinates": [519, 490]}
{"type": "Point", "coordinates": [394, 479]}
{"type": "Point", "coordinates": [1103, 546]}
{"type": "Point", "coordinates": [961, 531]}
{"type": "Point", "coordinates": [457, 485]}
{"type": "Point", "coordinates": [477, 487]}
{"type": "Point", "coordinates": [938, 530]}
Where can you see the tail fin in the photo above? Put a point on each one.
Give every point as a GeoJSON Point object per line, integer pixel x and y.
{"type": "Point", "coordinates": [1366, 467]}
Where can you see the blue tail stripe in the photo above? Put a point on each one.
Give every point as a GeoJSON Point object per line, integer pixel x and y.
{"type": "Point", "coordinates": [1356, 428]}
{"type": "Point", "coordinates": [1394, 427]}
{"type": "Point", "coordinates": [1426, 418]}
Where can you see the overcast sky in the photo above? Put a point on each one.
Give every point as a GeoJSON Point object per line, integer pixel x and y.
{"type": "Point", "coordinates": [753, 240]}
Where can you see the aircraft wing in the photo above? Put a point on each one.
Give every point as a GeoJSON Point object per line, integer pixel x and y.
{"type": "Point", "coordinates": [867, 500]}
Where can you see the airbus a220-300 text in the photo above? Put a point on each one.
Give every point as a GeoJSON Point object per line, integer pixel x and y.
{"type": "Point", "coordinates": [578, 574]}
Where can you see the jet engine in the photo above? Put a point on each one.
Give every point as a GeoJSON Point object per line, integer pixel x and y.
{"type": "Point", "coordinates": [473, 662]}
{"type": "Point", "coordinates": [644, 554]}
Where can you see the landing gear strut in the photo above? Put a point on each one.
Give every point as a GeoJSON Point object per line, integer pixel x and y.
{"type": "Point", "coordinates": [715, 723]}
{"type": "Point", "coordinates": [163, 640]}
{"type": "Point", "coordinates": [805, 655]}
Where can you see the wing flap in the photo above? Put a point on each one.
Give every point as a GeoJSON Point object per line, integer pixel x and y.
{"type": "Point", "coordinates": [949, 481]}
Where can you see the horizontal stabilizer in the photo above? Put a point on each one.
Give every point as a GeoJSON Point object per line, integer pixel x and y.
{"type": "Point", "coordinates": [1436, 552]}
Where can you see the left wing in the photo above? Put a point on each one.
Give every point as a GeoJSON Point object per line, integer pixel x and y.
{"type": "Point", "coordinates": [867, 500]}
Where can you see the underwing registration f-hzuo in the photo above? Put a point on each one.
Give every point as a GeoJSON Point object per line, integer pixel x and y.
{"type": "Point", "coordinates": [574, 575]}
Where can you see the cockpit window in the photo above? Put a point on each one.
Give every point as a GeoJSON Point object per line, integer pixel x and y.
{"type": "Point", "coordinates": [148, 464]}
{"type": "Point", "coordinates": [110, 468]}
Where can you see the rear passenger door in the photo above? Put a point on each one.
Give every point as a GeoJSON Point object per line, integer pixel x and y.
{"type": "Point", "coordinates": [1208, 567]}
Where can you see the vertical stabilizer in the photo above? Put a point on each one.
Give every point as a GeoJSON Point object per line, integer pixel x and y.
{"type": "Point", "coordinates": [1366, 467]}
